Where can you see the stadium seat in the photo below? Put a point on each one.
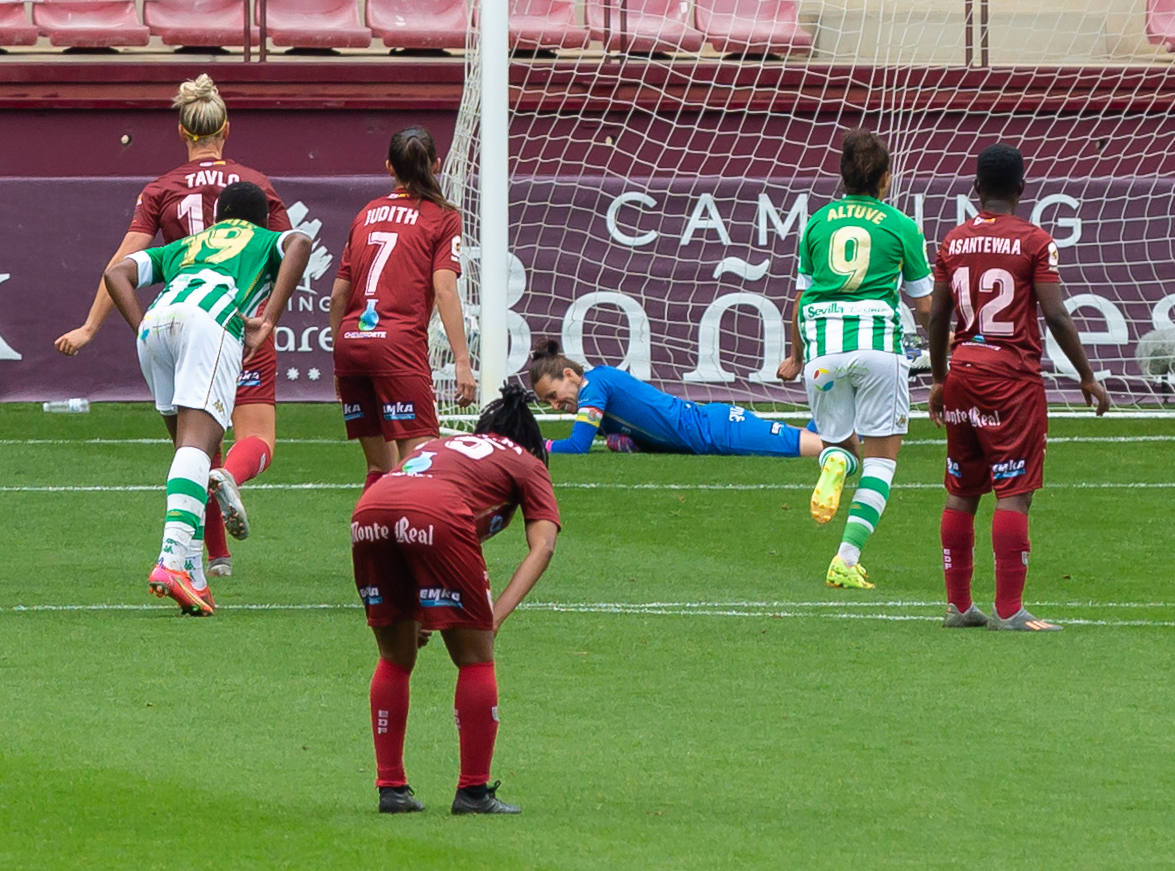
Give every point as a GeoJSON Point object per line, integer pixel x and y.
{"type": "Point", "coordinates": [1160, 22]}
{"type": "Point", "coordinates": [14, 24]}
{"type": "Point", "coordinates": [314, 23]}
{"type": "Point", "coordinates": [545, 24]}
{"type": "Point", "coordinates": [197, 22]}
{"type": "Point", "coordinates": [752, 26]}
{"type": "Point", "coordinates": [652, 25]}
{"type": "Point", "coordinates": [418, 24]}
{"type": "Point", "coordinates": [93, 24]}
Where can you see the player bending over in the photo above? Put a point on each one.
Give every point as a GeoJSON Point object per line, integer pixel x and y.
{"type": "Point", "coordinates": [989, 276]}
{"type": "Point", "coordinates": [416, 545]}
{"type": "Point", "coordinates": [190, 344]}
{"type": "Point", "coordinates": [636, 416]}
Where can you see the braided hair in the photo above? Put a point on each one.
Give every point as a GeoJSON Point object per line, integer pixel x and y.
{"type": "Point", "coordinates": [510, 416]}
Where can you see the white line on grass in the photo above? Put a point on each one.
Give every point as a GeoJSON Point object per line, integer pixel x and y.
{"type": "Point", "coordinates": [581, 485]}
{"type": "Point", "coordinates": [1125, 439]}
{"type": "Point", "coordinates": [774, 610]}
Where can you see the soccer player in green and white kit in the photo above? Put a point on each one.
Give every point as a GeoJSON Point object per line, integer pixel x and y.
{"type": "Point", "coordinates": [852, 255]}
{"type": "Point", "coordinates": [190, 343]}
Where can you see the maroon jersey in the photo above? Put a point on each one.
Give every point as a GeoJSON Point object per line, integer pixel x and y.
{"type": "Point", "coordinates": [183, 202]}
{"type": "Point", "coordinates": [395, 245]}
{"type": "Point", "coordinates": [992, 263]}
{"type": "Point", "coordinates": [491, 474]}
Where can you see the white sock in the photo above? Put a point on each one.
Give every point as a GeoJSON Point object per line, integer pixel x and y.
{"type": "Point", "coordinates": [187, 491]}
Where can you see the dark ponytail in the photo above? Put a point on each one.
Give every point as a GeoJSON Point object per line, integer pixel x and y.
{"type": "Point", "coordinates": [510, 416]}
{"type": "Point", "coordinates": [412, 154]}
{"type": "Point", "coordinates": [548, 360]}
{"type": "Point", "coordinates": [864, 160]}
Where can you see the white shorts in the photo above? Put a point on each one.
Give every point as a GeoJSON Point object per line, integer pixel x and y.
{"type": "Point", "coordinates": [866, 392]}
{"type": "Point", "coordinates": [189, 360]}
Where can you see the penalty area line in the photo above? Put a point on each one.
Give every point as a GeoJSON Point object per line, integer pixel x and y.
{"type": "Point", "coordinates": [579, 485]}
{"type": "Point", "coordinates": [772, 610]}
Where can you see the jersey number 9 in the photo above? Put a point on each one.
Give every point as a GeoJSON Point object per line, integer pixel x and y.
{"type": "Point", "coordinates": [848, 255]}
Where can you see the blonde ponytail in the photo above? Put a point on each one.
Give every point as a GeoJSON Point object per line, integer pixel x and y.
{"type": "Point", "coordinates": [202, 111]}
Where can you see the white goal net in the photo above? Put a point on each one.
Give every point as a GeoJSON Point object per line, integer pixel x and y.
{"type": "Point", "coordinates": [660, 177]}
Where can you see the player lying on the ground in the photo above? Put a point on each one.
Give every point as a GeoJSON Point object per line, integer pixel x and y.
{"type": "Point", "coordinates": [635, 416]}
{"type": "Point", "coordinates": [992, 272]}
{"type": "Point", "coordinates": [416, 546]}
{"type": "Point", "coordinates": [190, 343]}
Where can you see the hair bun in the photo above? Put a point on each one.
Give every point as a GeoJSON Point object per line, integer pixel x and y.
{"type": "Point", "coordinates": [549, 348]}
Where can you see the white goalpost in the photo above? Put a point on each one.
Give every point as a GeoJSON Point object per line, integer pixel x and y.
{"type": "Point", "coordinates": [639, 197]}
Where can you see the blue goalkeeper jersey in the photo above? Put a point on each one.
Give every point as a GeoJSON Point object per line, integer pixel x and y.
{"type": "Point", "coordinates": [612, 401]}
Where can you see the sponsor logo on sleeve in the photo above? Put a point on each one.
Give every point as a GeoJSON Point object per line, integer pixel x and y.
{"type": "Point", "coordinates": [399, 410]}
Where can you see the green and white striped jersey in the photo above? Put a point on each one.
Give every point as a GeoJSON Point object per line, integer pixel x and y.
{"type": "Point", "coordinates": [852, 254]}
{"type": "Point", "coordinates": [227, 270]}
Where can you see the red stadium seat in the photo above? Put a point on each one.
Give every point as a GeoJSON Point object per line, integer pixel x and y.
{"type": "Point", "coordinates": [197, 22]}
{"type": "Point", "coordinates": [92, 24]}
{"type": "Point", "coordinates": [314, 23]}
{"type": "Point", "coordinates": [14, 24]}
{"type": "Point", "coordinates": [652, 25]}
{"type": "Point", "coordinates": [752, 26]}
{"type": "Point", "coordinates": [1160, 22]}
{"type": "Point", "coordinates": [416, 24]}
{"type": "Point", "coordinates": [545, 24]}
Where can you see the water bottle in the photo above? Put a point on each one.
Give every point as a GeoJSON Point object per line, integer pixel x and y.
{"type": "Point", "coordinates": [76, 405]}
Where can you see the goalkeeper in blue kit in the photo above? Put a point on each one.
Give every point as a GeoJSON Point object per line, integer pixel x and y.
{"type": "Point", "coordinates": [634, 416]}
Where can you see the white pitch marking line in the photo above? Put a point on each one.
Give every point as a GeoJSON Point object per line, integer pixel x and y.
{"type": "Point", "coordinates": [689, 609]}
{"type": "Point", "coordinates": [582, 485]}
{"type": "Point", "coordinates": [1053, 440]}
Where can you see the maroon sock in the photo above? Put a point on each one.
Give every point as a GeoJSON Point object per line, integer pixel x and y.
{"type": "Point", "coordinates": [214, 538]}
{"type": "Point", "coordinates": [476, 708]}
{"type": "Point", "coordinates": [1009, 540]}
{"type": "Point", "coordinates": [389, 721]}
{"type": "Point", "coordinates": [372, 477]}
{"type": "Point", "coordinates": [248, 458]}
{"type": "Point", "coordinates": [958, 544]}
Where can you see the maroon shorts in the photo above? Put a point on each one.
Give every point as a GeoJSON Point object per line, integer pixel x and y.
{"type": "Point", "coordinates": [417, 556]}
{"type": "Point", "coordinates": [398, 406]}
{"type": "Point", "coordinates": [996, 429]}
{"type": "Point", "coordinates": [257, 384]}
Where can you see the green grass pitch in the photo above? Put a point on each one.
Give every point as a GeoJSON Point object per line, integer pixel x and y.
{"type": "Point", "coordinates": [681, 691]}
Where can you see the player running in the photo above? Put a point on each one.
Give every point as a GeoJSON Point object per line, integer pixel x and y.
{"type": "Point", "coordinates": [190, 343]}
{"type": "Point", "coordinates": [416, 545]}
{"type": "Point", "coordinates": [402, 256]}
{"type": "Point", "coordinates": [853, 253]}
{"type": "Point", "coordinates": [180, 203]}
{"type": "Point", "coordinates": [634, 416]}
{"type": "Point", "coordinates": [989, 276]}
